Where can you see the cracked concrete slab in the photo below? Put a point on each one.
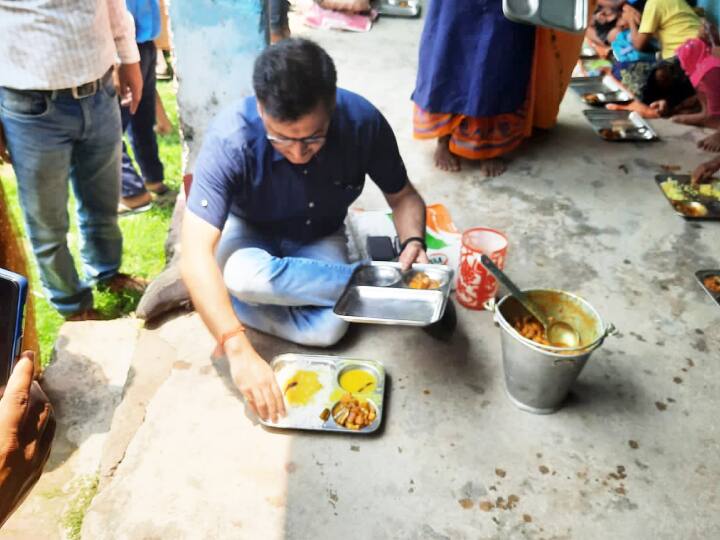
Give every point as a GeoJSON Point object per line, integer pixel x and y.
{"type": "Point", "coordinates": [150, 366]}
{"type": "Point", "coordinates": [225, 473]}
{"type": "Point", "coordinates": [85, 383]}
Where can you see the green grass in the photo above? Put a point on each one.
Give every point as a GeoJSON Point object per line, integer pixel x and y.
{"type": "Point", "coordinates": [144, 237]}
{"type": "Point", "coordinates": [86, 488]}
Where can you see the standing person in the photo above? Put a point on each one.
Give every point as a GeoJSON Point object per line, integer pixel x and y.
{"type": "Point", "coordinates": [58, 108]}
{"type": "Point", "coordinates": [263, 240]}
{"type": "Point", "coordinates": [279, 26]}
{"type": "Point", "coordinates": [485, 82]}
{"type": "Point", "coordinates": [140, 126]}
{"type": "Point", "coordinates": [471, 89]}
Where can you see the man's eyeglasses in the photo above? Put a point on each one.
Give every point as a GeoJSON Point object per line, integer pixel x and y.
{"type": "Point", "coordinates": [288, 141]}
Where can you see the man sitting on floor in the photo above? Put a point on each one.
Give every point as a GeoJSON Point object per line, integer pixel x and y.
{"type": "Point", "coordinates": [264, 221]}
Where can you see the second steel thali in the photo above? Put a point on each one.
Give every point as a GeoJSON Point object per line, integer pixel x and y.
{"type": "Point", "coordinates": [380, 293]}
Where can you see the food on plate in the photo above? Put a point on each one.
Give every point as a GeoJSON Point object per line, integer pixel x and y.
{"type": "Point", "coordinates": [712, 283]}
{"type": "Point", "coordinates": [690, 209]}
{"type": "Point", "coordinates": [420, 280]}
{"type": "Point", "coordinates": [358, 381]}
{"type": "Point", "coordinates": [301, 387]}
{"type": "Point", "coordinates": [683, 191]}
{"type": "Point", "coordinates": [353, 413]}
{"type": "Point", "coordinates": [591, 98]}
{"type": "Point", "coordinates": [611, 134]}
{"type": "Point", "coordinates": [325, 414]}
{"type": "Point", "coordinates": [530, 328]}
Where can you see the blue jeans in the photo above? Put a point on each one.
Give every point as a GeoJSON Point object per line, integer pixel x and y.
{"type": "Point", "coordinates": [53, 137]}
{"type": "Point", "coordinates": [141, 131]}
{"type": "Point", "coordinates": [285, 288]}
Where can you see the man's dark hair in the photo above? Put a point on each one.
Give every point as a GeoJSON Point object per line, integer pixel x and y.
{"type": "Point", "coordinates": [292, 77]}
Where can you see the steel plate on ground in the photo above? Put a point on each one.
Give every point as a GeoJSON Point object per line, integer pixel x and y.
{"type": "Point", "coordinates": [600, 84]}
{"type": "Point", "coordinates": [328, 370]}
{"type": "Point", "coordinates": [567, 15]}
{"type": "Point", "coordinates": [399, 8]}
{"type": "Point", "coordinates": [620, 126]}
{"type": "Point", "coordinates": [366, 302]}
{"type": "Point", "coordinates": [702, 202]}
{"type": "Point", "coordinates": [702, 275]}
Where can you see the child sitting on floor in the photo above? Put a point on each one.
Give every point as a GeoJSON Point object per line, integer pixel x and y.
{"type": "Point", "coordinates": [703, 69]}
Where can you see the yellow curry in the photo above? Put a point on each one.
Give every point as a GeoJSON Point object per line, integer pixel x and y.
{"type": "Point", "coordinates": [301, 387]}
{"type": "Point", "coordinates": [358, 381]}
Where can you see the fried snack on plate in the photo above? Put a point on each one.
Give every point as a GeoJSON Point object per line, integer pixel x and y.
{"type": "Point", "coordinates": [352, 413]}
{"type": "Point", "coordinates": [712, 283]}
{"type": "Point", "coordinates": [422, 281]}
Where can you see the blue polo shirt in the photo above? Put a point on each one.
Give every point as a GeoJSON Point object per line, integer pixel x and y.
{"type": "Point", "coordinates": [239, 171]}
{"type": "Point", "coordinates": [146, 14]}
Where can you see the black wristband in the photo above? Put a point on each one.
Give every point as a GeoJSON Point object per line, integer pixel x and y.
{"type": "Point", "coordinates": [413, 239]}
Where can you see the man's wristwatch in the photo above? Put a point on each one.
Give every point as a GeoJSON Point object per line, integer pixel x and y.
{"type": "Point", "coordinates": [407, 241]}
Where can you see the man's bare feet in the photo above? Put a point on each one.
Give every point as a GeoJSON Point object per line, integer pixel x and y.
{"type": "Point", "coordinates": [492, 167]}
{"type": "Point", "coordinates": [711, 143]}
{"type": "Point", "coordinates": [444, 159]}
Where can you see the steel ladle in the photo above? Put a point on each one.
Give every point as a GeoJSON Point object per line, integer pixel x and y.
{"type": "Point", "coordinates": [558, 333]}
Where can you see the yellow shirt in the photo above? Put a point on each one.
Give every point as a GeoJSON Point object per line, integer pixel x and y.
{"type": "Point", "coordinates": [672, 21]}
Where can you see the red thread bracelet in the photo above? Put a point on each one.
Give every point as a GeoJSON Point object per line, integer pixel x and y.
{"type": "Point", "coordinates": [227, 335]}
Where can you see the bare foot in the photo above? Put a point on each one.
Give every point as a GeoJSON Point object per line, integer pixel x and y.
{"type": "Point", "coordinates": [711, 143]}
{"type": "Point", "coordinates": [492, 167]}
{"type": "Point", "coordinates": [695, 119]}
{"type": "Point", "coordinates": [444, 159]}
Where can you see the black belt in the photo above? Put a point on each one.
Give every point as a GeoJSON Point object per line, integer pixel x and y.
{"type": "Point", "coordinates": [84, 90]}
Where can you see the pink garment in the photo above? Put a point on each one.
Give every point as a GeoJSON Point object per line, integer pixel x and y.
{"type": "Point", "coordinates": [317, 17]}
{"type": "Point", "coordinates": [710, 86]}
{"type": "Point", "coordinates": [696, 59]}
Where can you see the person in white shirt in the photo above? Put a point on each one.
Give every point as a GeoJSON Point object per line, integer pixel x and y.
{"type": "Point", "coordinates": [61, 121]}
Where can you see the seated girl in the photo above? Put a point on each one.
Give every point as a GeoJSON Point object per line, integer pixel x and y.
{"type": "Point", "coordinates": [700, 59]}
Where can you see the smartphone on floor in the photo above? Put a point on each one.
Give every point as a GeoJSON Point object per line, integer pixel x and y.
{"type": "Point", "coordinates": [13, 293]}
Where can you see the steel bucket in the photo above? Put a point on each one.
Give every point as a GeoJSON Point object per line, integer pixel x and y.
{"type": "Point", "coordinates": [538, 377]}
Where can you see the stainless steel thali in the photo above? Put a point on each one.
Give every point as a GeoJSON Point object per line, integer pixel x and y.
{"type": "Point", "coordinates": [620, 126]}
{"type": "Point", "coordinates": [378, 293]}
{"type": "Point", "coordinates": [701, 276]}
{"type": "Point", "coordinates": [398, 8]}
{"type": "Point", "coordinates": [689, 202]}
{"type": "Point", "coordinates": [328, 370]}
{"type": "Point", "coordinates": [567, 15]}
{"type": "Point", "coordinates": [600, 90]}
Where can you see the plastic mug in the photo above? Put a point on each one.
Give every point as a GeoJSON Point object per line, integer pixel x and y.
{"type": "Point", "coordinates": [475, 285]}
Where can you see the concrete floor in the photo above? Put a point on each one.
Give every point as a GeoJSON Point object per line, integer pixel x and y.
{"type": "Point", "coordinates": [635, 453]}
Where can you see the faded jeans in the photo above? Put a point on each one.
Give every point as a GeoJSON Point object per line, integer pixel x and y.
{"type": "Point", "coordinates": [53, 138]}
{"type": "Point", "coordinates": [285, 288]}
